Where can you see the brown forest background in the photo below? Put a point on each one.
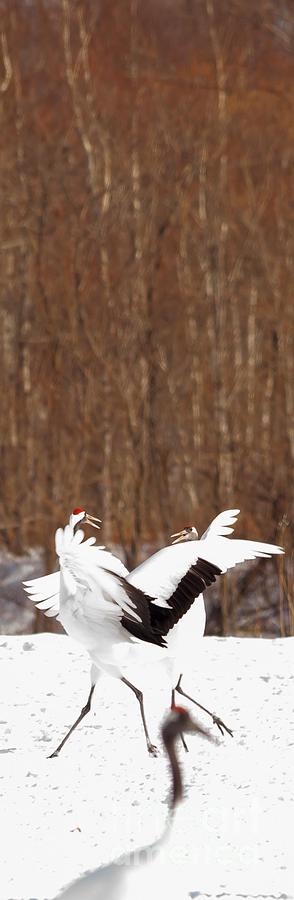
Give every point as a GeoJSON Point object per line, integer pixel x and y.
{"type": "Point", "coordinates": [147, 249]}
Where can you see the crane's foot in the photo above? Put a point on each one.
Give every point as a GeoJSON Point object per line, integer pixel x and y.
{"type": "Point", "coordinates": [153, 750]}
{"type": "Point", "coordinates": [53, 755]}
{"type": "Point", "coordinates": [216, 719]}
{"type": "Point", "coordinates": [221, 725]}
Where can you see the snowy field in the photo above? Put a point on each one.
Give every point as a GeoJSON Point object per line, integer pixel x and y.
{"type": "Point", "coordinates": [104, 796]}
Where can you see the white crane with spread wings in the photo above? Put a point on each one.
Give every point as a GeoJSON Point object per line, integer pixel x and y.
{"type": "Point", "coordinates": [104, 607]}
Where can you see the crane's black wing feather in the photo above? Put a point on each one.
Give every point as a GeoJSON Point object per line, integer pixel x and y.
{"type": "Point", "coordinates": [157, 621]}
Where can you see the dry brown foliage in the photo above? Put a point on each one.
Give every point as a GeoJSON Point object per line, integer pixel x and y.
{"type": "Point", "coordinates": [147, 246]}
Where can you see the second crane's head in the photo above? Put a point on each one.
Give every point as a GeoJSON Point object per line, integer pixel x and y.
{"type": "Point", "coordinates": [189, 533]}
{"type": "Point", "coordinates": [79, 516]}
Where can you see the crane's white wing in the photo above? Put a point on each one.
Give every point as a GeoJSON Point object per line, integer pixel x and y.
{"type": "Point", "coordinates": [93, 595]}
{"type": "Point", "coordinates": [93, 592]}
{"type": "Point", "coordinates": [160, 574]}
{"type": "Point", "coordinates": [72, 550]}
{"type": "Point", "coordinates": [45, 591]}
{"type": "Point", "coordinates": [178, 574]}
{"type": "Point", "coordinates": [222, 523]}
{"type": "Point", "coordinates": [227, 553]}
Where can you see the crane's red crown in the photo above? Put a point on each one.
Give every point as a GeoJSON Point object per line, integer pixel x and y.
{"type": "Point", "coordinates": [77, 510]}
{"type": "Point", "coordinates": [179, 709]}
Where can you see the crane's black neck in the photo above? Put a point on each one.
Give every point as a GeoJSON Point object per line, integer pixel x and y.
{"type": "Point", "coordinates": [177, 785]}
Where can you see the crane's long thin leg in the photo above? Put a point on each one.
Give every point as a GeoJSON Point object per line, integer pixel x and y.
{"type": "Point", "coordinates": [150, 747]}
{"type": "Point", "coordinates": [173, 703]}
{"type": "Point", "coordinates": [216, 720]}
{"type": "Point", "coordinates": [83, 713]}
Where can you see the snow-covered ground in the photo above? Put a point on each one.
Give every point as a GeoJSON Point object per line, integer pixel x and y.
{"type": "Point", "coordinates": [104, 796]}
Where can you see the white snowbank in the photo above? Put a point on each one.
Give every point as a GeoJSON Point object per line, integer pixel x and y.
{"type": "Point", "coordinates": [104, 796]}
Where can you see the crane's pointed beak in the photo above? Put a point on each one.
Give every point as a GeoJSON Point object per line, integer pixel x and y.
{"type": "Point", "coordinates": [91, 520]}
{"type": "Point", "coordinates": [179, 536]}
{"type": "Point", "coordinates": [195, 728]}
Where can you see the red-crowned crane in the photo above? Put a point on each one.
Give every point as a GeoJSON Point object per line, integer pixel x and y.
{"type": "Point", "coordinates": [151, 870]}
{"type": "Point", "coordinates": [104, 607]}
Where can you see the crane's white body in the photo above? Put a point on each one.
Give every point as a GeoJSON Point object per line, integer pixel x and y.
{"type": "Point", "coordinates": [140, 876]}
{"type": "Point", "coordinates": [148, 872]}
{"type": "Point", "coordinates": [88, 599]}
